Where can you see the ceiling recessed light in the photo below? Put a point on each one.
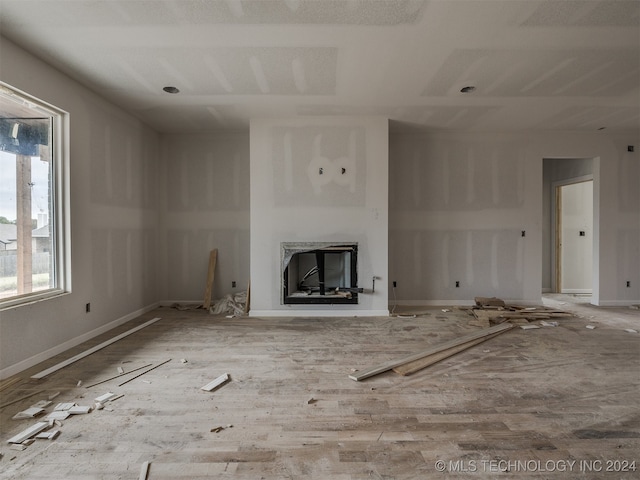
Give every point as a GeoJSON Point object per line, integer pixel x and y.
{"type": "Point", "coordinates": [171, 89]}
{"type": "Point", "coordinates": [467, 89]}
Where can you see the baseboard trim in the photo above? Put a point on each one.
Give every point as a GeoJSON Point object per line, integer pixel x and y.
{"type": "Point", "coordinates": [41, 357]}
{"type": "Point", "coordinates": [616, 303]}
{"type": "Point", "coordinates": [460, 303]}
{"type": "Point", "coordinates": [319, 313]}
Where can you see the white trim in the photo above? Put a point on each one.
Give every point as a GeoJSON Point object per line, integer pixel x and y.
{"type": "Point", "coordinates": [88, 352]}
{"type": "Point", "coordinates": [458, 303]}
{"type": "Point", "coordinates": [432, 303]}
{"type": "Point", "coordinates": [171, 303]}
{"type": "Point", "coordinates": [616, 303]}
{"type": "Point", "coordinates": [319, 313]}
{"type": "Point", "coordinates": [581, 291]}
{"type": "Point", "coordinates": [41, 357]}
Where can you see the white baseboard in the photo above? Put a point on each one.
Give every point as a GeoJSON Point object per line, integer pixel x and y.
{"type": "Point", "coordinates": [432, 303]}
{"type": "Point", "coordinates": [616, 303]}
{"type": "Point", "coordinates": [461, 303]}
{"type": "Point", "coordinates": [170, 303]}
{"type": "Point", "coordinates": [47, 354]}
{"type": "Point", "coordinates": [319, 313]}
{"type": "Point", "coordinates": [580, 291]}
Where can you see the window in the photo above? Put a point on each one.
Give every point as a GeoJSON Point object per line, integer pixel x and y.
{"type": "Point", "coordinates": [33, 259]}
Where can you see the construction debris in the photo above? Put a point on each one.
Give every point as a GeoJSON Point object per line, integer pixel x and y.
{"type": "Point", "coordinates": [28, 413]}
{"type": "Point", "coordinates": [230, 304]}
{"type": "Point", "coordinates": [489, 302]}
{"type": "Point", "coordinates": [29, 432]}
{"type": "Point", "coordinates": [493, 311]}
{"type": "Point", "coordinates": [431, 351]}
{"type": "Point", "coordinates": [144, 471]}
{"type": "Point", "coordinates": [51, 435]}
{"type": "Point", "coordinates": [213, 257]}
{"type": "Point", "coordinates": [216, 383]}
{"type": "Point", "coordinates": [119, 375]}
{"type": "Point", "coordinates": [146, 371]}
{"type": "Point", "coordinates": [416, 365]}
{"type": "Point", "coordinates": [105, 398]}
{"type": "Point", "coordinates": [71, 360]}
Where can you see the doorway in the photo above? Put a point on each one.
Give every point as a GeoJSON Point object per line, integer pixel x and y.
{"type": "Point", "coordinates": [574, 237]}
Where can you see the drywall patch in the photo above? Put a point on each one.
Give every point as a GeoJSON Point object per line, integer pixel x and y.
{"type": "Point", "coordinates": [319, 166]}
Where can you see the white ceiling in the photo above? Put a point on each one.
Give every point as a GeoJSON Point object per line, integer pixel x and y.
{"type": "Point", "coordinates": [536, 64]}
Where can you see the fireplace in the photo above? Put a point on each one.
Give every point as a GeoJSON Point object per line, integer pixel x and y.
{"type": "Point", "coordinates": [320, 273]}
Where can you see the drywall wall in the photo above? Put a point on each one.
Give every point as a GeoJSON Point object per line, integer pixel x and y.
{"type": "Point", "coordinates": [205, 205]}
{"type": "Point", "coordinates": [458, 204]}
{"type": "Point", "coordinates": [557, 171]}
{"type": "Point", "coordinates": [114, 219]}
{"type": "Point", "coordinates": [320, 179]}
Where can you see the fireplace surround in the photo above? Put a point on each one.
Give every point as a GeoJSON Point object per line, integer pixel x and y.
{"type": "Point", "coordinates": [319, 273]}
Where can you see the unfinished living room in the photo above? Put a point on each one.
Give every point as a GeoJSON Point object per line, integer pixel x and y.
{"type": "Point", "coordinates": [328, 239]}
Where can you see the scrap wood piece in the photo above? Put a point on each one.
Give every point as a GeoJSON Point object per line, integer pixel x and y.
{"type": "Point", "coordinates": [63, 407]}
{"type": "Point", "coordinates": [247, 304]}
{"type": "Point", "coordinates": [213, 257]}
{"type": "Point", "coordinates": [88, 352]}
{"type": "Point", "coordinates": [8, 382]}
{"type": "Point", "coordinates": [20, 399]}
{"type": "Point", "coordinates": [119, 375]}
{"type": "Point", "coordinates": [438, 348]}
{"type": "Point", "coordinates": [489, 301]}
{"type": "Point", "coordinates": [145, 372]}
{"type": "Point", "coordinates": [216, 383]}
{"type": "Point", "coordinates": [58, 415]}
{"type": "Point", "coordinates": [79, 410]}
{"type": "Point", "coordinates": [51, 435]}
{"type": "Point", "coordinates": [416, 365]}
{"type": "Point", "coordinates": [144, 471]}
{"type": "Point", "coordinates": [29, 432]}
{"type": "Point", "coordinates": [28, 413]}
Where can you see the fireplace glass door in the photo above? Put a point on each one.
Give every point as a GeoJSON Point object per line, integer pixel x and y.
{"type": "Point", "coordinates": [326, 275]}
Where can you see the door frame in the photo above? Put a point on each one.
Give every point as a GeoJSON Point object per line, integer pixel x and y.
{"type": "Point", "coordinates": [556, 230]}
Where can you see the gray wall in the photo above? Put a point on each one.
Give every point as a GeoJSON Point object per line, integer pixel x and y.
{"type": "Point", "coordinates": [459, 201]}
{"type": "Point", "coordinates": [205, 205]}
{"type": "Point", "coordinates": [114, 219]}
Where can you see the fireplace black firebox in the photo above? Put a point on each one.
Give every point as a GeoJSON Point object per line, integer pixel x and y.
{"type": "Point", "coordinates": [320, 274]}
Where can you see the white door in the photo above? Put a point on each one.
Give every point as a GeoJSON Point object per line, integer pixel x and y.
{"type": "Point", "coordinates": [576, 237]}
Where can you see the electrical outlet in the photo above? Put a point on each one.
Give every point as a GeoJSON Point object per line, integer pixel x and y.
{"type": "Point", "coordinates": [457, 284]}
{"type": "Point", "coordinates": [233, 284]}
{"type": "Point", "coordinates": [395, 284]}
{"type": "Point", "coordinates": [628, 284]}
{"type": "Point", "coordinates": [630, 148]}
{"type": "Point", "coordinates": [87, 307]}
{"type": "Point", "coordinates": [523, 233]}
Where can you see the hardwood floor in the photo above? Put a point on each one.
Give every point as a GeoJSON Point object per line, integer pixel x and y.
{"type": "Point", "coordinates": [528, 401]}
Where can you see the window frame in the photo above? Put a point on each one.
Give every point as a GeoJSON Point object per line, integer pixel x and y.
{"type": "Point", "coordinates": [60, 198]}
